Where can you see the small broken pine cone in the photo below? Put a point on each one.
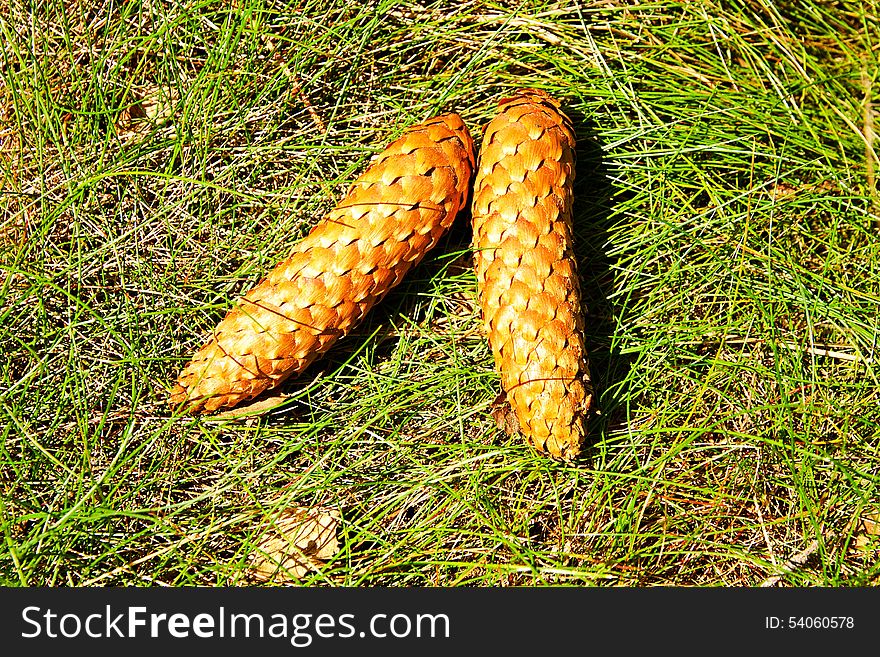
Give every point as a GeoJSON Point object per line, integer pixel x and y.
{"type": "Point", "coordinates": [295, 542]}
{"type": "Point", "coordinates": [390, 218]}
{"type": "Point", "coordinates": [526, 271]}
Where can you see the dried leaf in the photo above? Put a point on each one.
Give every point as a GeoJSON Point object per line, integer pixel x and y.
{"type": "Point", "coordinates": [158, 104]}
{"type": "Point", "coordinates": [783, 191]}
{"type": "Point", "coordinates": [153, 107]}
{"type": "Point", "coordinates": [868, 531]}
{"type": "Point", "coordinates": [504, 416]}
{"type": "Point", "coordinates": [295, 543]}
{"type": "Point", "coordinates": [870, 524]}
{"type": "Point", "coordinates": [249, 410]}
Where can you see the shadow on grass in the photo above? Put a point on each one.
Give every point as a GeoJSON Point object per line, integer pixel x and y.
{"type": "Point", "coordinates": [593, 215]}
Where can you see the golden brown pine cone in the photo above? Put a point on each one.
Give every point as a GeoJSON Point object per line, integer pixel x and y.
{"type": "Point", "coordinates": [390, 217]}
{"type": "Point", "coordinates": [526, 271]}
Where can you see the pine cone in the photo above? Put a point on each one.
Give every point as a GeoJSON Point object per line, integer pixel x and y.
{"type": "Point", "coordinates": [389, 219]}
{"type": "Point", "coordinates": [526, 270]}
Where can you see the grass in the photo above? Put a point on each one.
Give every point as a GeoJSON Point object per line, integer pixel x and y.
{"type": "Point", "coordinates": [158, 158]}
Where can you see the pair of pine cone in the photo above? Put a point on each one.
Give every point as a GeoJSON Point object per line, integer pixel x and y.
{"type": "Point", "coordinates": [393, 214]}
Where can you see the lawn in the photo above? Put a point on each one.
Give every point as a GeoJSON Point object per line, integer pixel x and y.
{"type": "Point", "coordinates": [158, 158]}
